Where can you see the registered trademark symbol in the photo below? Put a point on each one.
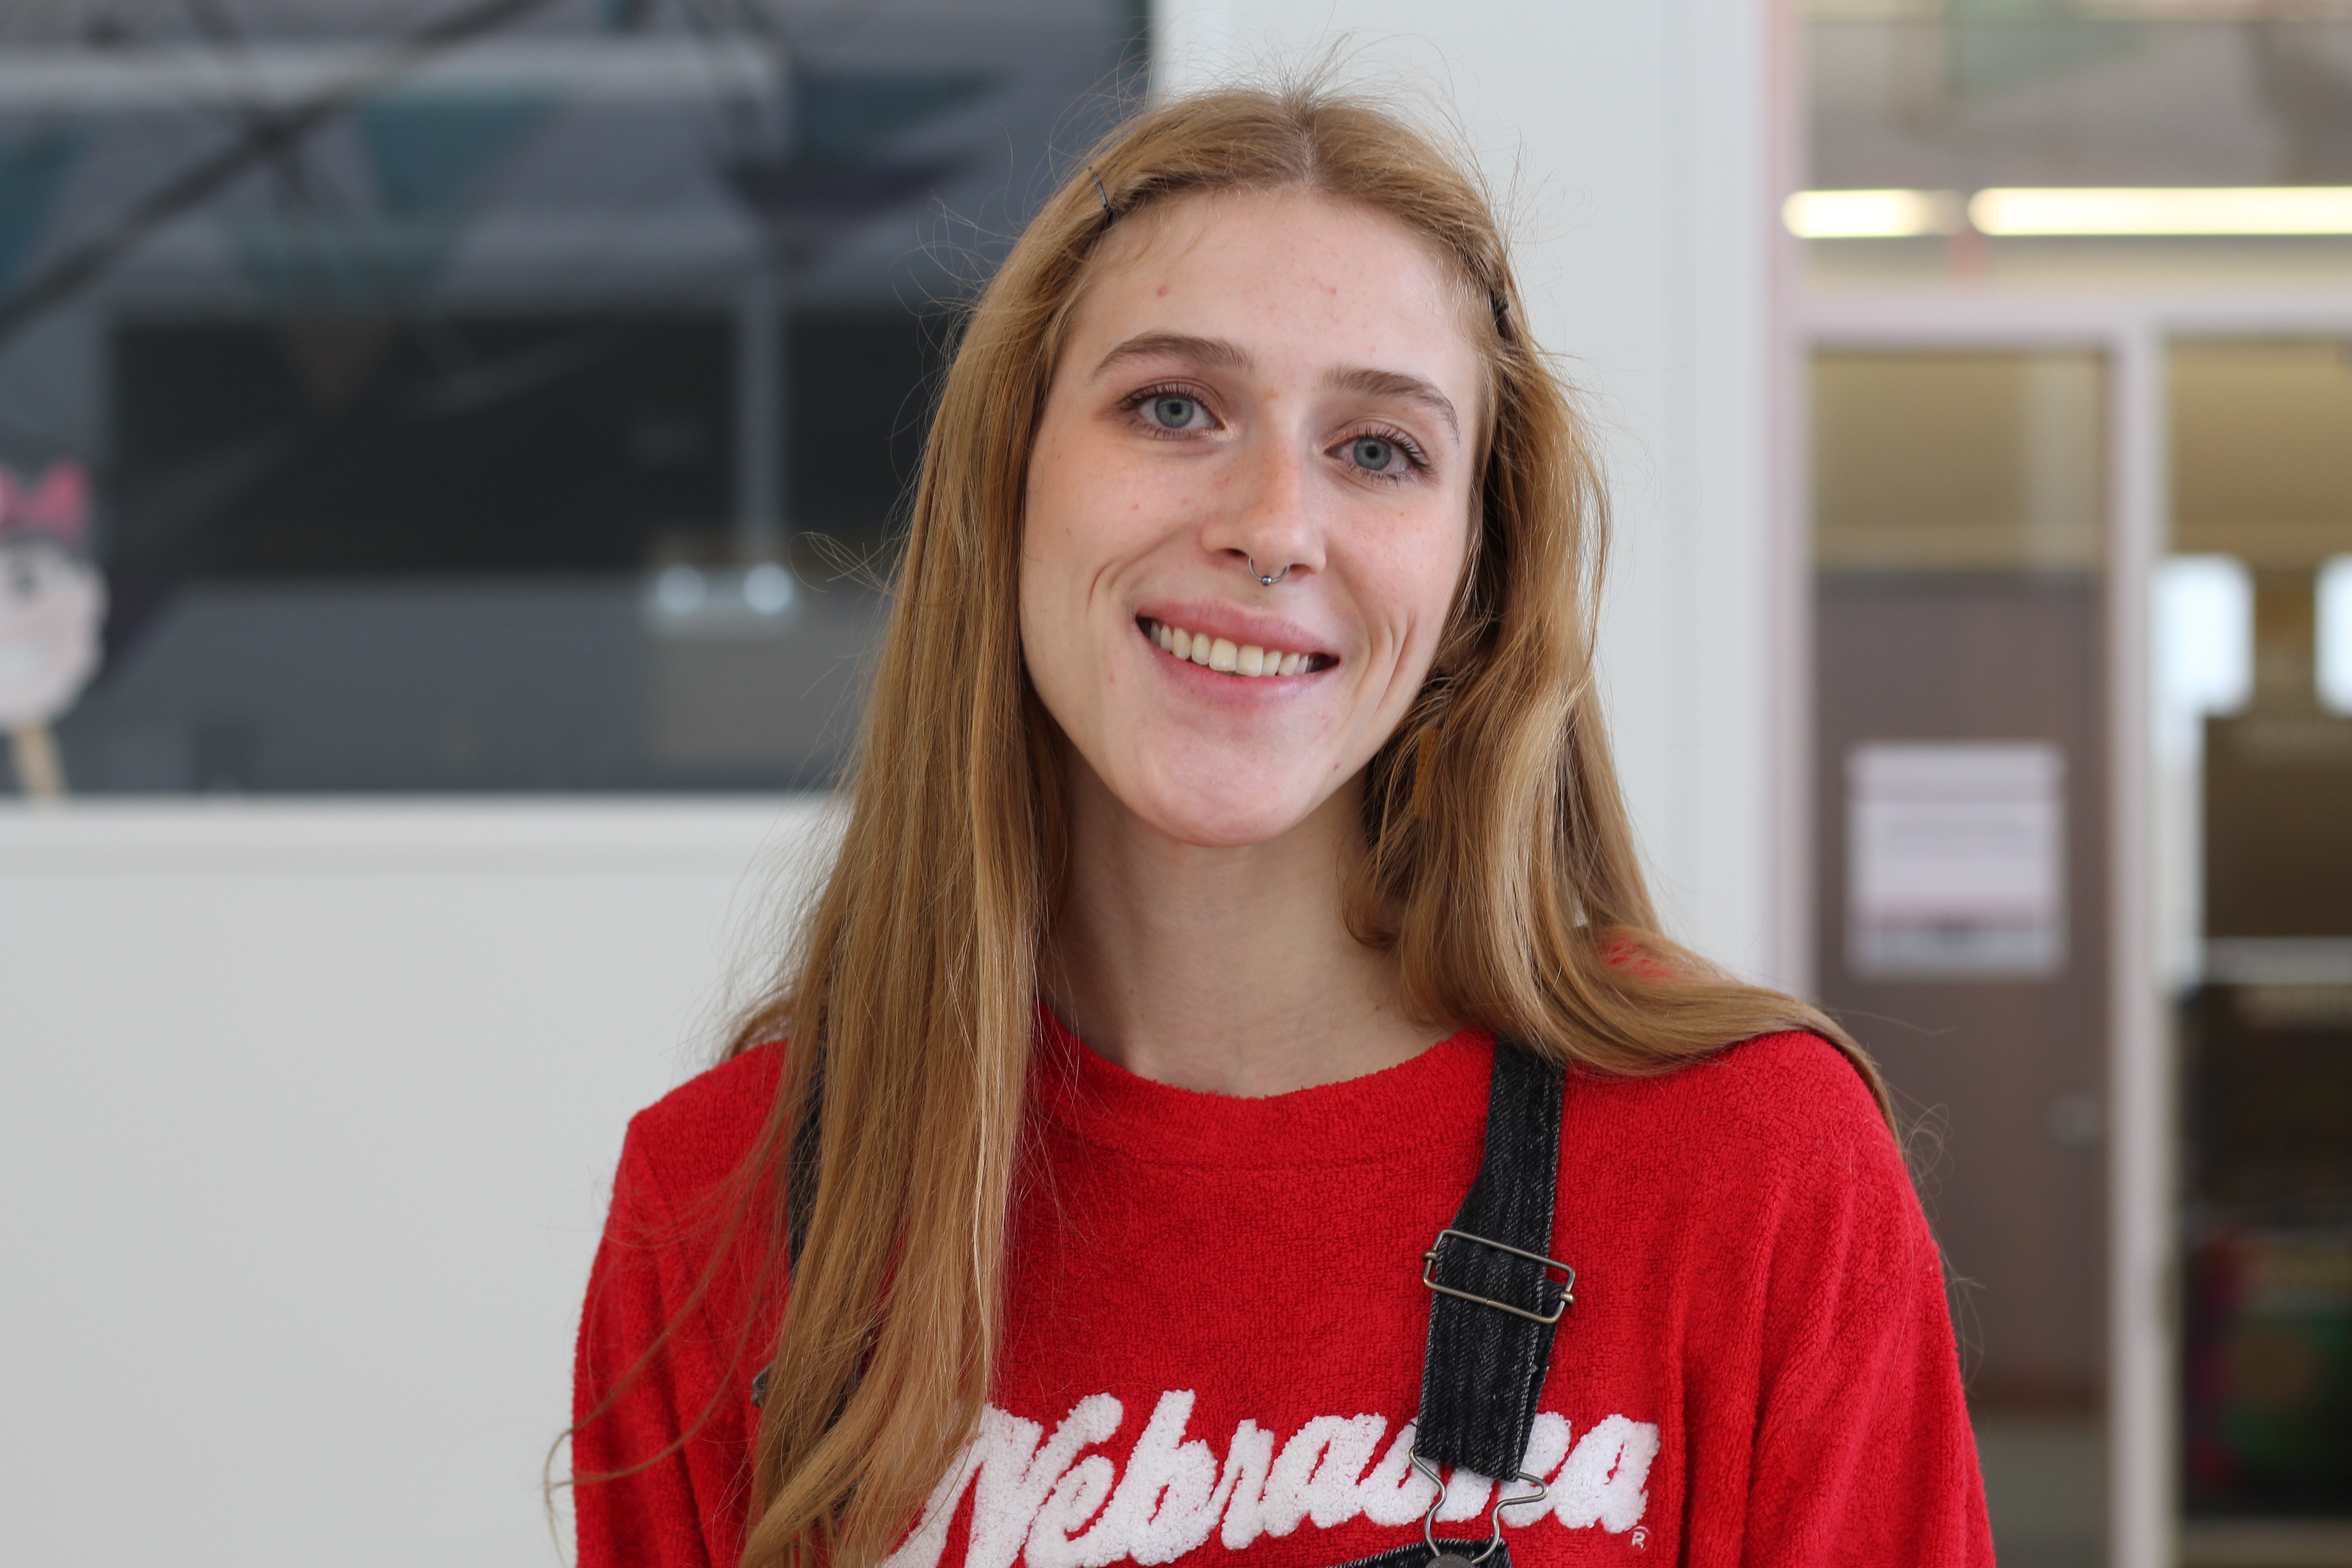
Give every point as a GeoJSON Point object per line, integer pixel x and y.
{"type": "Point", "coordinates": [1641, 1538]}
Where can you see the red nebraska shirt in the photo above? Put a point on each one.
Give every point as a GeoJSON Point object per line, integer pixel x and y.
{"type": "Point", "coordinates": [1216, 1320]}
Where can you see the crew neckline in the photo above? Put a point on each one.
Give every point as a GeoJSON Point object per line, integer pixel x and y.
{"type": "Point", "coordinates": [1357, 1121]}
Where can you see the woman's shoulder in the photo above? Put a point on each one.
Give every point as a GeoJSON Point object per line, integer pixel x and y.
{"type": "Point", "coordinates": [1785, 1103]}
{"type": "Point", "coordinates": [1769, 1157]}
{"type": "Point", "coordinates": [698, 1133]}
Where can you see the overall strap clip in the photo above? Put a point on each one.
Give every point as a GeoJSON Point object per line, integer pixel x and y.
{"type": "Point", "coordinates": [1565, 1285]}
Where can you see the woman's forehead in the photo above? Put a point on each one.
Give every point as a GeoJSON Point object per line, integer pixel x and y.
{"type": "Point", "coordinates": [1280, 274]}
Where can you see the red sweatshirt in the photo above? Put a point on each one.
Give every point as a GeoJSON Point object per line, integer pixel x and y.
{"type": "Point", "coordinates": [1214, 1333]}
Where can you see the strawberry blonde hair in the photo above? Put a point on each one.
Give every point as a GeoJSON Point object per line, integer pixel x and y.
{"type": "Point", "coordinates": [1500, 868]}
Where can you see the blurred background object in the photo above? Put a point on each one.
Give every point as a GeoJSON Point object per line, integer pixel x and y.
{"type": "Point", "coordinates": [52, 601]}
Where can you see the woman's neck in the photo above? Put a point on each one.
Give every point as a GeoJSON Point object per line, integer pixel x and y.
{"type": "Point", "coordinates": [1230, 970]}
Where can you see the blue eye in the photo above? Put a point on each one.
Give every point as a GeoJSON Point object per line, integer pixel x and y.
{"type": "Point", "coordinates": [1173, 413]}
{"type": "Point", "coordinates": [1372, 453]}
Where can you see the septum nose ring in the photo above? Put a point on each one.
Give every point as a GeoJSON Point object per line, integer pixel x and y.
{"type": "Point", "coordinates": [1263, 580]}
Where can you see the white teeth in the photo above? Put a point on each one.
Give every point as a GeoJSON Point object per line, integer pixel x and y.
{"type": "Point", "coordinates": [1222, 655]}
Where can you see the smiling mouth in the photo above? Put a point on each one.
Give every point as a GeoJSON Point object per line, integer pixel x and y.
{"type": "Point", "coordinates": [1227, 658]}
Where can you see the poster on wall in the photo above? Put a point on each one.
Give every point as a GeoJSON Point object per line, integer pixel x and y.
{"type": "Point", "coordinates": [1956, 860]}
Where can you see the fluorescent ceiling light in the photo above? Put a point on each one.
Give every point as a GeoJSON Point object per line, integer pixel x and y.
{"type": "Point", "coordinates": [2228, 209]}
{"type": "Point", "coordinates": [1871, 214]}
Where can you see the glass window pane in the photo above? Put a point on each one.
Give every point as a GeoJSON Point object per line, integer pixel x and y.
{"type": "Point", "coordinates": [2257, 838]}
{"type": "Point", "coordinates": [1958, 520]}
{"type": "Point", "coordinates": [1957, 461]}
{"type": "Point", "coordinates": [536, 416]}
{"type": "Point", "coordinates": [1964, 94]}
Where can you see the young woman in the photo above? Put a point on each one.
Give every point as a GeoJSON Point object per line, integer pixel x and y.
{"type": "Point", "coordinates": [1234, 875]}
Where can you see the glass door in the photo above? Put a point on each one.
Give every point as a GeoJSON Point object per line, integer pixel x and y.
{"type": "Point", "coordinates": [1959, 501]}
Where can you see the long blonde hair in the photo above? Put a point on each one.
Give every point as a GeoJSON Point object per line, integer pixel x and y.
{"type": "Point", "coordinates": [1500, 870]}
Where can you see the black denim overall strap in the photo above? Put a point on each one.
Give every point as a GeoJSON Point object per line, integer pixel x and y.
{"type": "Point", "coordinates": [1493, 1298]}
{"type": "Point", "coordinates": [1495, 1301]}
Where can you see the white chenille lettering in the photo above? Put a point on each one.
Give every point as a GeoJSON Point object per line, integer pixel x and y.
{"type": "Point", "coordinates": [1286, 1485]}
{"type": "Point", "coordinates": [1166, 1502]}
{"type": "Point", "coordinates": [1005, 1446]}
{"type": "Point", "coordinates": [1602, 1482]}
{"type": "Point", "coordinates": [1076, 1499]}
{"type": "Point", "coordinates": [1247, 1460]}
{"type": "Point", "coordinates": [1396, 1494]}
{"type": "Point", "coordinates": [1230, 1482]}
{"type": "Point", "coordinates": [1334, 1494]}
{"type": "Point", "coordinates": [1546, 1447]}
{"type": "Point", "coordinates": [1070, 1508]}
{"type": "Point", "coordinates": [1014, 1473]}
{"type": "Point", "coordinates": [1314, 1476]}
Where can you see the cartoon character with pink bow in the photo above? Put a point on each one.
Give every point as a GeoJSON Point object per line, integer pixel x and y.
{"type": "Point", "coordinates": [52, 601]}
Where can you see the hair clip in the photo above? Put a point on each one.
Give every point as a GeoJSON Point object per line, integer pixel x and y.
{"type": "Point", "coordinates": [1109, 213]}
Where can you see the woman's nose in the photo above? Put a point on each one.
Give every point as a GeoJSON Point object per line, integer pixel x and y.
{"type": "Point", "coordinates": [1270, 516]}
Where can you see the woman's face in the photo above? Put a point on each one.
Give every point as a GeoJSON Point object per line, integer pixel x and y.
{"type": "Point", "coordinates": [1276, 377]}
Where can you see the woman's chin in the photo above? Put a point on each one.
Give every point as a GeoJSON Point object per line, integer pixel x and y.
{"type": "Point", "coordinates": [1224, 818]}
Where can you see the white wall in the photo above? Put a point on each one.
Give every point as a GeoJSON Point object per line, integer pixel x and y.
{"type": "Point", "coordinates": [1637, 130]}
{"type": "Point", "coordinates": [308, 1116]}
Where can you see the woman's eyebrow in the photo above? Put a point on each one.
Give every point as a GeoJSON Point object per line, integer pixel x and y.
{"type": "Point", "coordinates": [1373, 382]}
{"type": "Point", "coordinates": [1205, 352]}
{"type": "Point", "coordinates": [1223, 354]}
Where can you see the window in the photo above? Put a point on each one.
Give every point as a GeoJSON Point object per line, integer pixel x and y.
{"type": "Point", "coordinates": [532, 413]}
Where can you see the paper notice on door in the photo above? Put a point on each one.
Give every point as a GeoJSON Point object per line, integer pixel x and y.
{"type": "Point", "coordinates": [1955, 861]}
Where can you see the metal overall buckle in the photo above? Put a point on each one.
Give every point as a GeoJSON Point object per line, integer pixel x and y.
{"type": "Point", "coordinates": [1567, 1282]}
{"type": "Point", "coordinates": [1450, 1556]}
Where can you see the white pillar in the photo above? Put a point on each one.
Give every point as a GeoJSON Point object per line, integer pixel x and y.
{"type": "Point", "coordinates": [1633, 140]}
